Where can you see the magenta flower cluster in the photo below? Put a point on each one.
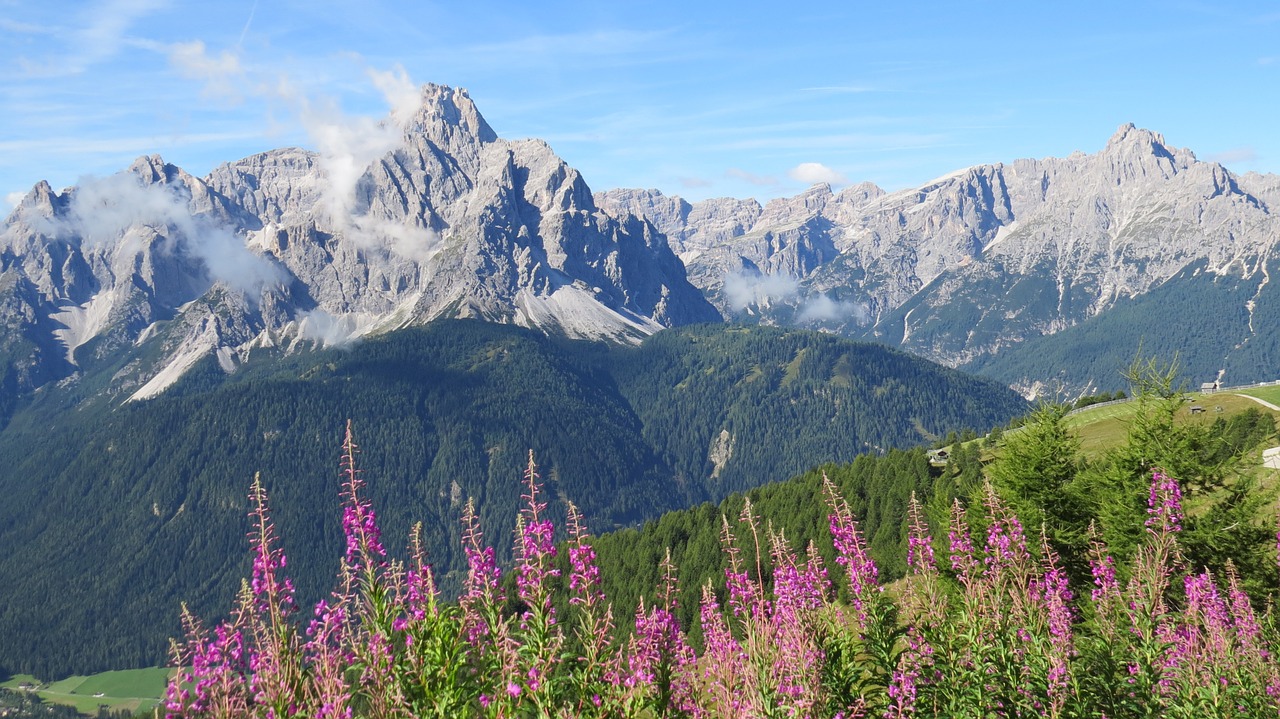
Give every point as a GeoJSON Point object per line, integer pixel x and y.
{"type": "Point", "coordinates": [992, 629]}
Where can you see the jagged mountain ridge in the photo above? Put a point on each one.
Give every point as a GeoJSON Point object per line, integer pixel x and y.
{"type": "Point", "coordinates": [977, 262]}
{"type": "Point", "coordinates": [444, 219]}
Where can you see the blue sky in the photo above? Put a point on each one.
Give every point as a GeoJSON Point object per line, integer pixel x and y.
{"type": "Point", "coordinates": [695, 99]}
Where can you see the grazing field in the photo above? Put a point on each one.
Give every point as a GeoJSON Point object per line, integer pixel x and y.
{"type": "Point", "coordinates": [1268, 394]}
{"type": "Point", "coordinates": [1101, 428]}
{"type": "Point", "coordinates": [131, 689]}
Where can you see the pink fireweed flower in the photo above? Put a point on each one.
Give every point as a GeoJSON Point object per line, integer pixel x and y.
{"type": "Point", "coordinates": [359, 524]}
{"type": "Point", "coordinates": [535, 546]}
{"type": "Point", "coordinates": [272, 593]}
{"type": "Point", "coordinates": [1006, 540]}
{"type": "Point", "coordinates": [1204, 602]}
{"type": "Point", "coordinates": [913, 664]}
{"type": "Point", "coordinates": [964, 559]}
{"type": "Point", "coordinates": [328, 654]}
{"type": "Point", "coordinates": [420, 592]}
{"type": "Point", "coordinates": [920, 559]}
{"type": "Point", "coordinates": [725, 663]}
{"type": "Point", "coordinates": [1105, 585]}
{"type": "Point", "coordinates": [746, 599]}
{"type": "Point", "coordinates": [1164, 504]}
{"type": "Point", "coordinates": [851, 551]}
{"type": "Point", "coordinates": [1055, 596]}
{"type": "Point", "coordinates": [1248, 630]}
{"type": "Point", "coordinates": [584, 575]}
{"type": "Point", "coordinates": [482, 587]}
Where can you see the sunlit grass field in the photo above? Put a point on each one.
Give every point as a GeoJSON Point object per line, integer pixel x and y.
{"type": "Point", "coordinates": [131, 689]}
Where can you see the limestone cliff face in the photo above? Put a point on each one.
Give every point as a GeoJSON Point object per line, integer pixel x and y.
{"type": "Point", "coordinates": [984, 258]}
{"type": "Point", "coordinates": [291, 246]}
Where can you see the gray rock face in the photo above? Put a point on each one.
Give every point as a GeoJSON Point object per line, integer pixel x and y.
{"type": "Point", "coordinates": [984, 258]}
{"type": "Point", "coordinates": [291, 246]}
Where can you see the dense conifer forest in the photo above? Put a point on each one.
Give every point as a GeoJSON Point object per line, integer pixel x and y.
{"type": "Point", "coordinates": [115, 513]}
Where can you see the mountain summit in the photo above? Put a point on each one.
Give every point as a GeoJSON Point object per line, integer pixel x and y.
{"type": "Point", "coordinates": [428, 214]}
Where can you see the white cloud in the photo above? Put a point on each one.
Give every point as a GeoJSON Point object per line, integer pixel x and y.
{"type": "Point", "coordinates": [747, 287]}
{"type": "Point", "coordinates": [762, 180]}
{"type": "Point", "coordinates": [110, 208]}
{"type": "Point", "coordinates": [329, 330]}
{"type": "Point", "coordinates": [402, 94]}
{"type": "Point", "coordinates": [694, 182]}
{"type": "Point", "coordinates": [12, 199]}
{"type": "Point", "coordinates": [219, 73]}
{"type": "Point", "coordinates": [814, 172]}
{"type": "Point", "coordinates": [347, 146]}
{"type": "Point", "coordinates": [821, 308]}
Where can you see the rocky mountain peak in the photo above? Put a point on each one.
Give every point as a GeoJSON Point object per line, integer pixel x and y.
{"type": "Point", "coordinates": [153, 169]}
{"type": "Point", "coordinates": [1128, 135]}
{"type": "Point", "coordinates": [1136, 153]}
{"type": "Point", "coordinates": [448, 116]}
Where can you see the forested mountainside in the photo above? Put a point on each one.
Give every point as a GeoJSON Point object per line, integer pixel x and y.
{"type": "Point", "coordinates": [115, 513]}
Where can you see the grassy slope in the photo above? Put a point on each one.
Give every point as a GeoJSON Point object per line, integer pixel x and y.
{"type": "Point", "coordinates": [1101, 428]}
{"type": "Point", "coordinates": [130, 689]}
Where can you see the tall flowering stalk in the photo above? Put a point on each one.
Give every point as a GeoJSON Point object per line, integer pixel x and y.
{"type": "Point", "coordinates": [540, 636]}
{"type": "Point", "coordinates": [924, 606]}
{"type": "Point", "coordinates": [274, 659]}
{"type": "Point", "coordinates": [851, 552]}
{"type": "Point", "coordinates": [594, 620]}
{"type": "Point", "coordinates": [862, 646]}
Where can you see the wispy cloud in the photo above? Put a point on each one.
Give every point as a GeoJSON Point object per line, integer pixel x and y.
{"type": "Point", "coordinates": [838, 89]}
{"type": "Point", "coordinates": [140, 145]}
{"type": "Point", "coordinates": [1235, 154]}
{"type": "Point", "coordinates": [692, 183]}
{"type": "Point", "coordinates": [220, 75]}
{"type": "Point", "coordinates": [821, 308]}
{"type": "Point", "coordinates": [100, 33]}
{"type": "Point", "coordinates": [746, 288]}
{"type": "Point", "coordinates": [107, 209]}
{"type": "Point", "coordinates": [750, 288]}
{"type": "Point", "coordinates": [754, 179]}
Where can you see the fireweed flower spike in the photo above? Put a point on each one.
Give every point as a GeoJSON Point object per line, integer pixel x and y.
{"type": "Point", "coordinates": [540, 638]}
{"type": "Point", "coordinates": [851, 552]}
{"type": "Point", "coordinates": [364, 540]}
{"type": "Point", "coordinates": [482, 592]}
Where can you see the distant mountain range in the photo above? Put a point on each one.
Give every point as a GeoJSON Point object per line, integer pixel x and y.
{"type": "Point", "coordinates": [1041, 273]}
{"type": "Point", "coordinates": [149, 270]}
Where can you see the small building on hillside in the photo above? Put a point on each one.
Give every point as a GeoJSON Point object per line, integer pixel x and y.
{"type": "Point", "coordinates": [1207, 387]}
